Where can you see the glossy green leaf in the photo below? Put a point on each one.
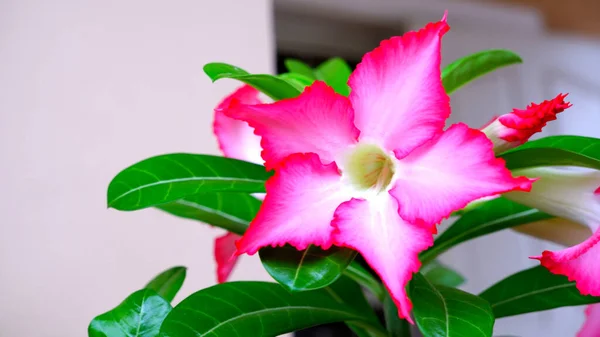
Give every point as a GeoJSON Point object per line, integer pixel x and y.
{"type": "Point", "coordinates": [270, 85]}
{"type": "Point", "coordinates": [468, 68]}
{"type": "Point", "coordinates": [231, 211]}
{"type": "Point", "coordinates": [168, 283]}
{"type": "Point", "coordinates": [299, 67]}
{"type": "Point", "coordinates": [348, 292]}
{"type": "Point", "coordinates": [140, 315]}
{"type": "Point", "coordinates": [448, 312]}
{"type": "Point", "coordinates": [439, 274]}
{"type": "Point", "coordinates": [298, 81]}
{"type": "Point", "coordinates": [555, 151]}
{"type": "Point", "coordinates": [335, 72]}
{"type": "Point", "coordinates": [260, 308]}
{"type": "Point", "coordinates": [300, 270]}
{"type": "Point", "coordinates": [489, 217]}
{"type": "Point", "coordinates": [396, 326]}
{"type": "Point", "coordinates": [360, 275]}
{"type": "Point", "coordinates": [170, 177]}
{"type": "Point", "coordinates": [531, 290]}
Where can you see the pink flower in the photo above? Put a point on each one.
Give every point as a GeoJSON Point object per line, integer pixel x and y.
{"type": "Point", "coordinates": [515, 128]}
{"type": "Point", "coordinates": [236, 140]}
{"type": "Point", "coordinates": [375, 172]}
{"type": "Point", "coordinates": [591, 327]}
{"type": "Point", "coordinates": [574, 196]}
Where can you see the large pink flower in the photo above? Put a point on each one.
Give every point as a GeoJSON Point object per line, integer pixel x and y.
{"type": "Point", "coordinates": [236, 140]}
{"type": "Point", "coordinates": [376, 171]}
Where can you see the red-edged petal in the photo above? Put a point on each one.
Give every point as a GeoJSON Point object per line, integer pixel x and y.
{"type": "Point", "coordinates": [236, 138]}
{"type": "Point", "coordinates": [397, 94]}
{"type": "Point", "coordinates": [318, 121]}
{"type": "Point", "coordinates": [389, 244]}
{"type": "Point", "coordinates": [301, 199]}
{"type": "Point", "coordinates": [447, 173]}
{"type": "Point", "coordinates": [591, 327]}
{"type": "Point", "coordinates": [580, 263]}
{"type": "Point", "coordinates": [225, 255]}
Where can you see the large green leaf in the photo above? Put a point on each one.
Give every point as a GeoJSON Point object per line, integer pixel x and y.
{"type": "Point", "coordinates": [298, 81]}
{"type": "Point", "coordinates": [170, 177]}
{"type": "Point", "coordinates": [299, 67]}
{"type": "Point", "coordinates": [448, 312]}
{"type": "Point", "coordinates": [231, 211]}
{"type": "Point", "coordinates": [272, 86]}
{"type": "Point", "coordinates": [140, 315]}
{"type": "Point", "coordinates": [555, 151]}
{"type": "Point", "coordinates": [489, 217]}
{"type": "Point", "coordinates": [360, 275]}
{"type": "Point", "coordinates": [168, 283]}
{"type": "Point", "coordinates": [468, 68]}
{"type": "Point", "coordinates": [531, 290]}
{"type": "Point", "coordinates": [396, 326]}
{"type": "Point", "coordinates": [312, 268]}
{"type": "Point", "coordinates": [335, 72]}
{"type": "Point", "coordinates": [438, 273]}
{"type": "Point", "coordinates": [260, 308]}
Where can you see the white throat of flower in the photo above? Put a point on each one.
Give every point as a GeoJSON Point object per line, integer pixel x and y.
{"type": "Point", "coordinates": [368, 169]}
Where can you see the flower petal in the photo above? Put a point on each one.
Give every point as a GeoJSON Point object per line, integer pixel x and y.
{"type": "Point", "coordinates": [447, 173]}
{"type": "Point", "coordinates": [225, 255]}
{"type": "Point", "coordinates": [397, 92]}
{"type": "Point", "coordinates": [236, 138]}
{"type": "Point", "coordinates": [318, 121]}
{"type": "Point", "coordinates": [591, 327]}
{"type": "Point", "coordinates": [301, 199]}
{"type": "Point", "coordinates": [580, 263]}
{"type": "Point", "coordinates": [389, 244]}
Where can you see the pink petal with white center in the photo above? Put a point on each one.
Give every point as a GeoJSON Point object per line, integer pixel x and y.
{"type": "Point", "coordinates": [318, 121]}
{"type": "Point", "coordinates": [591, 327]}
{"type": "Point", "coordinates": [225, 255]}
{"type": "Point", "coordinates": [301, 199]}
{"type": "Point", "coordinates": [236, 138]}
{"type": "Point", "coordinates": [447, 173]}
{"type": "Point", "coordinates": [389, 244]}
{"type": "Point", "coordinates": [580, 263]}
{"type": "Point", "coordinates": [397, 94]}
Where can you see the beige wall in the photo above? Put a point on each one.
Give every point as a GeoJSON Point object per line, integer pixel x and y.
{"type": "Point", "coordinates": [87, 88]}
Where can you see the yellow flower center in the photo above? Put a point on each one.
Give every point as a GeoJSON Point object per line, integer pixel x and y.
{"type": "Point", "coordinates": [368, 167]}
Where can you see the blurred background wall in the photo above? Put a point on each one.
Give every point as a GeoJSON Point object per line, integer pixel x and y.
{"type": "Point", "coordinates": [89, 87]}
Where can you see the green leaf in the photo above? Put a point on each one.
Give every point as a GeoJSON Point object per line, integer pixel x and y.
{"type": "Point", "coordinates": [360, 275]}
{"type": "Point", "coordinates": [468, 68]}
{"type": "Point", "coordinates": [231, 211]}
{"type": "Point", "coordinates": [300, 270]}
{"type": "Point", "coordinates": [272, 86]}
{"type": "Point", "coordinates": [396, 326]}
{"type": "Point", "coordinates": [170, 177]}
{"type": "Point", "coordinates": [140, 315]}
{"type": "Point", "coordinates": [448, 312]}
{"type": "Point", "coordinates": [299, 67]}
{"type": "Point", "coordinates": [335, 72]}
{"type": "Point", "coordinates": [534, 289]}
{"type": "Point", "coordinates": [555, 151]}
{"type": "Point", "coordinates": [298, 81]}
{"type": "Point", "coordinates": [348, 292]}
{"type": "Point", "coordinates": [168, 283]}
{"type": "Point", "coordinates": [489, 217]}
{"type": "Point", "coordinates": [260, 308]}
{"type": "Point", "coordinates": [439, 274]}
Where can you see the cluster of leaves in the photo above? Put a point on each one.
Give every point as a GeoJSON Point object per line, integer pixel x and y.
{"type": "Point", "coordinates": [315, 286]}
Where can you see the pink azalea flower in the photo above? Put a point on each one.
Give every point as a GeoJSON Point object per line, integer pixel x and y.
{"type": "Point", "coordinates": [236, 140]}
{"type": "Point", "coordinates": [375, 172]}
{"type": "Point", "coordinates": [515, 128]}
{"type": "Point", "coordinates": [574, 196]}
{"type": "Point", "coordinates": [591, 327]}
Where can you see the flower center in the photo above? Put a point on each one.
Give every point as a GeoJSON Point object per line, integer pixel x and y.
{"type": "Point", "coordinates": [368, 167]}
